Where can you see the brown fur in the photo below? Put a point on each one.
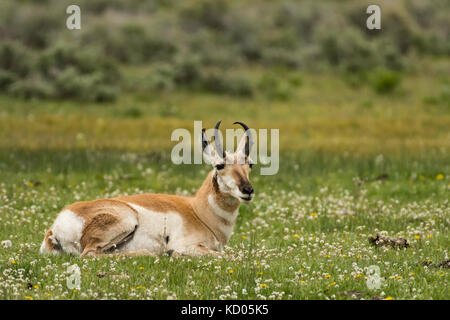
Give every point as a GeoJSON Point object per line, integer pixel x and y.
{"type": "Point", "coordinates": [49, 243]}
{"type": "Point", "coordinates": [101, 216]}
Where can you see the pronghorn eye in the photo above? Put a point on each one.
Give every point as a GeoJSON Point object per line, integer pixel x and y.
{"type": "Point", "coordinates": [220, 166]}
{"type": "Point", "coordinates": [250, 165]}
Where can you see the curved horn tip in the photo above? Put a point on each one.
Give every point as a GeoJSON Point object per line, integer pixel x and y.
{"type": "Point", "coordinates": [242, 124]}
{"type": "Point", "coordinates": [218, 124]}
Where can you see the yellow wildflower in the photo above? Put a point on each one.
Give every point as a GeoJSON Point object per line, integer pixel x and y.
{"type": "Point", "coordinates": [263, 285]}
{"type": "Point", "coordinates": [440, 176]}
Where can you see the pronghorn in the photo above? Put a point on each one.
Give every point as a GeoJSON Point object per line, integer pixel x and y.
{"type": "Point", "coordinates": [155, 224]}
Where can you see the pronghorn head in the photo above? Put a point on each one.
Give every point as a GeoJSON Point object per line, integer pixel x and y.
{"type": "Point", "coordinates": [231, 170]}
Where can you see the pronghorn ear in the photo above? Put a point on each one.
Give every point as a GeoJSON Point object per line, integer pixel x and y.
{"type": "Point", "coordinates": [245, 145]}
{"type": "Point", "coordinates": [241, 149]}
{"type": "Point", "coordinates": [207, 149]}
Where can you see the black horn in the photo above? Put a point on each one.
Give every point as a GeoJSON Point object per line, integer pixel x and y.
{"type": "Point", "coordinates": [217, 141]}
{"type": "Point", "coordinates": [249, 142]}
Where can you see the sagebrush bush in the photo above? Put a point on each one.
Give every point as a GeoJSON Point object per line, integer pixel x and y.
{"type": "Point", "coordinates": [222, 83]}
{"type": "Point", "coordinates": [276, 87]}
{"type": "Point", "coordinates": [181, 42]}
{"type": "Point", "coordinates": [62, 71]}
{"type": "Point", "coordinates": [15, 59]}
{"type": "Point", "coordinates": [32, 87]}
{"type": "Point", "coordinates": [385, 81]}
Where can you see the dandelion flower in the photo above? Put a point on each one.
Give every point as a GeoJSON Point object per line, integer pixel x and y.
{"type": "Point", "coordinates": [388, 298]}
{"type": "Point", "coordinates": [440, 176]}
{"type": "Point", "coordinates": [263, 285]}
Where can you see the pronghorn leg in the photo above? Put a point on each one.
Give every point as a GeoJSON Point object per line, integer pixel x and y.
{"type": "Point", "coordinates": [105, 232]}
{"type": "Point", "coordinates": [200, 250]}
{"type": "Point", "coordinates": [137, 253]}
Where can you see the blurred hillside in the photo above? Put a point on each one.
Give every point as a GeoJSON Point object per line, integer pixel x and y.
{"type": "Point", "coordinates": [237, 48]}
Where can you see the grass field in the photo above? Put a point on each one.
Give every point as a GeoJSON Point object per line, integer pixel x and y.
{"type": "Point", "coordinates": [352, 163]}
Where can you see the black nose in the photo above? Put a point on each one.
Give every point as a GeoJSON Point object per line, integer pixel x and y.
{"type": "Point", "coordinates": [247, 189]}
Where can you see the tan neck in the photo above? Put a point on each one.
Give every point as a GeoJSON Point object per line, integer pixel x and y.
{"type": "Point", "coordinates": [216, 209]}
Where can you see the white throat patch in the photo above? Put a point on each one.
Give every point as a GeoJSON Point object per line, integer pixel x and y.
{"type": "Point", "coordinates": [226, 215]}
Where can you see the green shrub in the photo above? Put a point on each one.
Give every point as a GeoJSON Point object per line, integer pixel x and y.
{"type": "Point", "coordinates": [205, 13]}
{"type": "Point", "coordinates": [162, 78]}
{"type": "Point", "coordinates": [15, 59]}
{"type": "Point", "coordinates": [222, 83]}
{"type": "Point", "coordinates": [79, 74]}
{"type": "Point", "coordinates": [6, 78]}
{"type": "Point", "coordinates": [188, 70]}
{"type": "Point", "coordinates": [275, 88]}
{"type": "Point", "coordinates": [385, 81]}
{"type": "Point", "coordinates": [32, 87]}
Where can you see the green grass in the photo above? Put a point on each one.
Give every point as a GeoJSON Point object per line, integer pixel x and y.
{"type": "Point", "coordinates": [305, 235]}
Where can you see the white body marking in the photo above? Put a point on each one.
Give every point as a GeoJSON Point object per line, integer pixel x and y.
{"type": "Point", "coordinates": [67, 228]}
{"type": "Point", "coordinates": [158, 232]}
